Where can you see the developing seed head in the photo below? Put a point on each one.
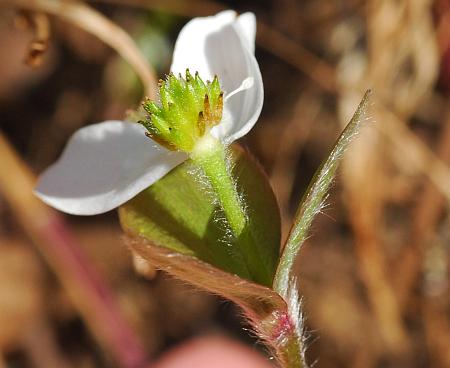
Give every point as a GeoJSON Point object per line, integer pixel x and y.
{"type": "Point", "coordinates": [188, 109]}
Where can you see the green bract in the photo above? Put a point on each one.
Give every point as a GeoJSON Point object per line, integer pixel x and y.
{"type": "Point", "coordinates": [189, 108]}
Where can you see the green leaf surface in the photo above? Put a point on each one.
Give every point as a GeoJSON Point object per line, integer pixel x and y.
{"type": "Point", "coordinates": [314, 197]}
{"type": "Point", "coordinates": [181, 213]}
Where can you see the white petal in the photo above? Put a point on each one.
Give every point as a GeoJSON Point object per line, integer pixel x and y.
{"type": "Point", "coordinates": [103, 166]}
{"type": "Point", "coordinates": [221, 45]}
{"type": "Point", "coordinates": [247, 26]}
{"type": "Point", "coordinates": [242, 110]}
{"type": "Point", "coordinates": [189, 51]}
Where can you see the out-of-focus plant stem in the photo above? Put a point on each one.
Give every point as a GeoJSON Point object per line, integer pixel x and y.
{"type": "Point", "coordinates": [91, 21]}
{"type": "Point", "coordinates": [415, 152]}
{"type": "Point", "coordinates": [41, 28]}
{"type": "Point", "coordinates": [41, 346]}
{"type": "Point", "coordinates": [426, 219]}
{"type": "Point", "coordinates": [85, 287]}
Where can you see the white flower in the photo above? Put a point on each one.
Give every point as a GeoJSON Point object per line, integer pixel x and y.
{"type": "Point", "coordinates": [106, 164]}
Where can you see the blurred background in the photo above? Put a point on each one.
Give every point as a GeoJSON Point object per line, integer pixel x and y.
{"type": "Point", "coordinates": [374, 275]}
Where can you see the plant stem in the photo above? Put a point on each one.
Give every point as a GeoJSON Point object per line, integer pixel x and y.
{"type": "Point", "coordinates": [284, 336]}
{"type": "Point", "coordinates": [211, 156]}
{"type": "Point", "coordinates": [289, 352]}
{"type": "Point", "coordinates": [314, 197]}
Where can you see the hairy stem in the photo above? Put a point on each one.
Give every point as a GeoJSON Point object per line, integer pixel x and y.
{"type": "Point", "coordinates": [211, 156]}
{"type": "Point", "coordinates": [314, 197]}
{"type": "Point", "coordinates": [289, 350]}
{"type": "Point", "coordinates": [284, 335]}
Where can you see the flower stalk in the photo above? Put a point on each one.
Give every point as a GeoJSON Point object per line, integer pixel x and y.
{"type": "Point", "coordinates": [211, 156]}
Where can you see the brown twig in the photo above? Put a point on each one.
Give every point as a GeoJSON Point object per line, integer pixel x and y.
{"type": "Point", "coordinates": [41, 27]}
{"type": "Point", "coordinates": [364, 201]}
{"type": "Point", "coordinates": [425, 219]}
{"type": "Point", "coordinates": [91, 21]}
{"type": "Point", "coordinates": [413, 151]}
{"type": "Point", "coordinates": [87, 290]}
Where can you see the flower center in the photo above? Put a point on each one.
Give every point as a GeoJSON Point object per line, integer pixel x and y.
{"type": "Point", "coordinates": [189, 108]}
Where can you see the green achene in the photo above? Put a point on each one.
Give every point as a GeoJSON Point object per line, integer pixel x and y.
{"type": "Point", "coordinates": [189, 108]}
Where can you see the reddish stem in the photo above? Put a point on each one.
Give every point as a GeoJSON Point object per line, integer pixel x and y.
{"type": "Point", "coordinates": [86, 288]}
{"type": "Point", "coordinates": [98, 299]}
